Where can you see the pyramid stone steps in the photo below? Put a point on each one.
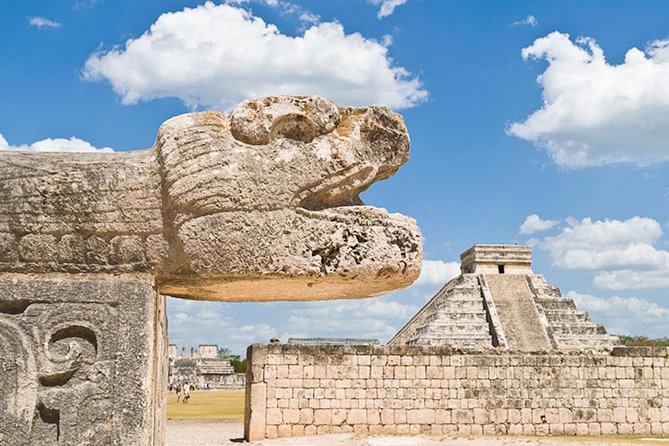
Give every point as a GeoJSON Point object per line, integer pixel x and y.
{"type": "Point", "coordinates": [460, 297]}
{"type": "Point", "coordinates": [475, 314]}
{"type": "Point", "coordinates": [598, 341]}
{"type": "Point", "coordinates": [456, 304]}
{"type": "Point", "coordinates": [560, 316]}
{"type": "Point", "coordinates": [464, 296]}
{"type": "Point", "coordinates": [480, 340]}
{"type": "Point", "coordinates": [450, 328]}
{"type": "Point", "coordinates": [548, 293]}
{"type": "Point", "coordinates": [477, 341]}
{"type": "Point", "coordinates": [578, 329]}
{"type": "Point", "coordinates": [556, 303]}
{"type": "Point", "coordinates": [459, 318]}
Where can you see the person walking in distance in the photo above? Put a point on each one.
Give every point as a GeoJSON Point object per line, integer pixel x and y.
{"type": "Point", "coordinates": [186, 392]}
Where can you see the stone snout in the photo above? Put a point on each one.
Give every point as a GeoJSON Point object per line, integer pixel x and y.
{"type": "Point", "coordinates": [261, 204]}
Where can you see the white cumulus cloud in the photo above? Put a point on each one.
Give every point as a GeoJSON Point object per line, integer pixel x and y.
{"type": "Point", "coordinates": [217, 55]}
{"type": "Point", "coordinates": [634, 279]}
{"type": "Point", "coordinates": [71, 144]}
{"type": "Point", "coordinates": [387, 7]}
{"type": "Point", "coordinates": [622, 253]}
{"type": "Point", "coordinates": [597, 113]}
{"type": "Point", "coordinates": [437, 272]}
{"type": "Point", "coordinates": [625, 315]}
{"type": "Point", "coordinates": [41, 22]}
{"type": "Point", "coordinates": [606, 243]}
{"type": "Point", "coordinates": [533, 223]}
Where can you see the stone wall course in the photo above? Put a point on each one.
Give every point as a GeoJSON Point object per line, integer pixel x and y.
{"type": "Point", "coordinates": [442, 390]}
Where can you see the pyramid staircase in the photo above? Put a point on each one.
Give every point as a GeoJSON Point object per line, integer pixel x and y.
{"type": "Point", "coordinates": [498, 301]}
{"type": "Point", "coordinates": [456, 316]}
{"type": "Point", "coordinates": [568, 327]}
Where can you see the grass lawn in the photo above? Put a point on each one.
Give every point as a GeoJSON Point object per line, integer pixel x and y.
{"type": "Point", "coordinates": [207, 405]}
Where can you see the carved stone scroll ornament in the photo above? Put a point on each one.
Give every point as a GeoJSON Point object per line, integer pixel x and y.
{"type": "Point", "coordinates": [76, 350]}
{"type": "Point", "coordinates": [57, 377]}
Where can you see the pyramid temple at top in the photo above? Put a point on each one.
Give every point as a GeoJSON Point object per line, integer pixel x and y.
{"type": "Point", "coordinates": [497, 301]}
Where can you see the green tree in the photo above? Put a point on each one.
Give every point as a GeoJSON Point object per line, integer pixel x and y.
{"type": "Point", "coordinates": [224, 352]}
{"type": "Point", "coordinates": [238, 364]}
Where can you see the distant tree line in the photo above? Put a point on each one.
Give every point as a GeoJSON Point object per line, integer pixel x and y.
{"type": "Point", "coordinates": [643, 341]}
{"type": "Point", "coordinates": [238, 364]}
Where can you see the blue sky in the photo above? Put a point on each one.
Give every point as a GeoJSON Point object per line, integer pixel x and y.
{"type": "Point", "coordinates": [585, 149]}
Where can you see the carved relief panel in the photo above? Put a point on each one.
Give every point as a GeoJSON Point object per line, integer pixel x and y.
{"type": "Point", "coordinates": [74, 371]}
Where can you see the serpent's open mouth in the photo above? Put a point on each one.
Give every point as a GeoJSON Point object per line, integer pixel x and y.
{"type": "Point", "coordinates": [267, 203]}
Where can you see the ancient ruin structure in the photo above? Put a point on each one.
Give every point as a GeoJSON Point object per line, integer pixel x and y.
{"type": "Point", "coordinates": [498, 301]}
{"type": "Point", "coordinates": [261, 204]}
{"type": "Point", "coordinates": [203, 368]}
{"type": "Point", "coordinates": [403, 389]}
{"type": "Point", "coordinates": [333, 341]}
{"type": "Point", "coordinates": [496, 351]}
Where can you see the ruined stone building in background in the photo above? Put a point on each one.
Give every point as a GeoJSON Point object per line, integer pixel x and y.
{"type": "Point", "coordinates": [203, 368]}
{"type": "Point", "coordinates": [498, 301]}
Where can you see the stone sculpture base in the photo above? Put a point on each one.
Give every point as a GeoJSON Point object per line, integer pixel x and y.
{"type": "Point", "coordinates": [82, 360]}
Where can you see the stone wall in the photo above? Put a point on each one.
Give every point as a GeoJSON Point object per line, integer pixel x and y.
{"type": "Point", "coordinates": [297, 390]}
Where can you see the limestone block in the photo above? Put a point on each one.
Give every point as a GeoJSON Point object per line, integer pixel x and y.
{"type": "Point", "coordinates": [387, 416]}
{"type": "Point", "coordinates": [338, 417]}
{"type": "Point", "coordinates": [271, 432]}
{"type": "Point", "coordinates": [373, 416]}
{"type": "Point", "coordinates": [64, 341]}
{"type": "Point", "coordinates": [284, 430]}
{"type": "Point", "coordinates": [291, 416]}
{"type": "Point", "coordinates": [322, 416]}
{"type": "Point", "coordinates": [274, 416]}
{"type": "Point", "coordinates": [420, 416]}
{"type": "Point", "coordinates": [463, 417]}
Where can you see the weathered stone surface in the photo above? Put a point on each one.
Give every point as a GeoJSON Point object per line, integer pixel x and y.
{"type": "Point", "coordinates": [517, 312]}
{"type": "Point", "coordinates": [492, 391]}
{"type": "Point", "coordinates": [259, 205]}
{"type": "Point", "coordinates": [78, 360]}
{"type": "Point", "coordinates": [223, 207]}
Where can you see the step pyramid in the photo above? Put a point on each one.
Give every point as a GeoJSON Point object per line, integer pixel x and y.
{"type": "Point", "coordinates": [498, 301]}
